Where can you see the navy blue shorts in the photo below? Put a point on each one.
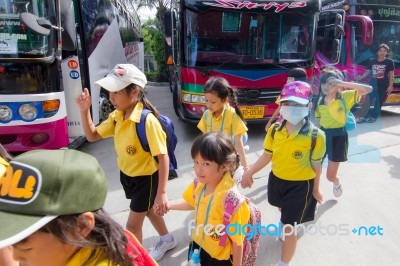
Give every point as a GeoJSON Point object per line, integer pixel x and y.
{"type": "Point", "coordinates": [337, 144]}
{"type": "Point", "coordinates": [293, 197]}
{"type": "Point", "coordinates": [141, 190]}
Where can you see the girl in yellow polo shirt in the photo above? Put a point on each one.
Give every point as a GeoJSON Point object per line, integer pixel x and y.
{"type": "Point", "coordinates": [214, 159]}
{"type": "Point", "coordinates": [143, 178]}
{"type": "Point", "coordinates": [331, 115]}
{"type": "Point", "coordinates": [220, 116]}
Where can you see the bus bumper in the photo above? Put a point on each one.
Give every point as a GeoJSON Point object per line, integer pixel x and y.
{"type": "Point", "coordinates": [21, 138]}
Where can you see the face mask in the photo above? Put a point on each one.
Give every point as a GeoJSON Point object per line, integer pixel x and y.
{"type": "Point", "coordinates": [293, 114]}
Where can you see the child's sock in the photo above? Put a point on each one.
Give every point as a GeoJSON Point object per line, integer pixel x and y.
{"type": "Point", "coordinates": [166, 238]}
{"type": "Point", "coordinates": [280, 263]}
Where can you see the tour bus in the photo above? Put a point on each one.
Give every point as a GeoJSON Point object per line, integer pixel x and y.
{"type": "Point", "coordinates": [252, 44]}
{"type": "Point", "coordinates": [385, 15]}
{"type": "Point", "coordinates": [49, 51]}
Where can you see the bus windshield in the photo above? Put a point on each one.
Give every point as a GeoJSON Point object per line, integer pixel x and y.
{"type": "Point", "coordinates": [28, 78]}
{"type": "Point", "coordinates": [16, 40]}
{"type": "Point", "coordinates": [234, 39]}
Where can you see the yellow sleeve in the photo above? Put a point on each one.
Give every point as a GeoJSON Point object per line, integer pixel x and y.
{"type": "Point", "coordinates": [238, 126]}
{"type": "Point", "coordinates": [268, 140]}
{"type": "Point", "coordinates": [107, 127]}
{"type": "Point", "coordinates": [202, 125]}
{"type": "Point", "coordinates": [189, 194]}
{"type": "Point", "coordinates": [350, 97]}
{"type": "Point", "coordinates": [320, 147]}
{"type": "Point", "coordinates": [155, 135]}
{"type": "Point", "coordinates": [241, 217]}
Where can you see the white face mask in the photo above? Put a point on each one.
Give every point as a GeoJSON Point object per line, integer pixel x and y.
{"type": "Point", "coordinates": [293, 114]}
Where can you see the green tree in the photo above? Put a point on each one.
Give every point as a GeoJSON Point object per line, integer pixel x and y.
{"type": "Point", "coordinates": [156, 39]}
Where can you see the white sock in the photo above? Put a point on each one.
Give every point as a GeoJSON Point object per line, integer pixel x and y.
{"type": "Point", "coordinates": [167, 238]}
{"type": "Point", "coordinates": [280, 263]}
{"type": "Point", "coordinates": [336, 186]}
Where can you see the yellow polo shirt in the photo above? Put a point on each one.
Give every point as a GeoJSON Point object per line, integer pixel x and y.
{"type": "Point", "coordinates": [228, 122]}
{"type": "Point", "coordinates": [291, 153]}
{"type": "Point", "coordinates": [81, 256]}
{"type": "Point", "coordinates": [216, 216]}
{"type": "Point", "coordinates": [131, 158]}
{"type": "Point", "coordinates": [333, 115]}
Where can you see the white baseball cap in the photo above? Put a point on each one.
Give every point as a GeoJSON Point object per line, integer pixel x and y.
{"type": "Point", "coordinates": [122, 76]}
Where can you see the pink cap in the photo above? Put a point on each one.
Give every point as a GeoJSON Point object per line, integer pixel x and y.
{"type": "Point", "coordinates": [296, 91]}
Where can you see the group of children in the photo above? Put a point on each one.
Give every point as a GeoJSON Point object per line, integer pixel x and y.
{"type": "Point", "coordinates": [295, 146]}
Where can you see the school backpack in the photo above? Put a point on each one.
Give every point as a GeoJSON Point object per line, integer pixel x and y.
{"type": "Point", "coordinates": [168, 127]}
{"type": "Point", "coordinates": [232, 201]}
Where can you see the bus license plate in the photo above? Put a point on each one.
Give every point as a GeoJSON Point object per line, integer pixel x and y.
{"type": "Point", "coordinates": [393, 98]}
{"type": "Point", "coordinates": [252, 112]}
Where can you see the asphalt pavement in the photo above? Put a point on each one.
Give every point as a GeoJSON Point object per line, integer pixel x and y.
{"type": "Point", "coordinates": [359, 228]}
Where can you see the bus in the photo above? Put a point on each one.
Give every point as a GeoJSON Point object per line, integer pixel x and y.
{"type": "Point", "coordinates": [252, 44]}
{"type": "Point", "coordinates": [49, 51]}
{"type": "Point", "coordinates": [385, 15]}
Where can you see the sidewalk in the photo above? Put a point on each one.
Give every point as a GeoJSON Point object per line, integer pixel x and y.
{"type": "Point", "coordinates": [344, 231]}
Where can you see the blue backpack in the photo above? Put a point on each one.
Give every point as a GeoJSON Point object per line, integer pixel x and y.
{"type": "Point", "coordinates": [168, 127]}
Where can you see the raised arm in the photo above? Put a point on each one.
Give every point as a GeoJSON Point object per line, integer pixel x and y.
{"type": "Point", "coordinates": [84, 101]}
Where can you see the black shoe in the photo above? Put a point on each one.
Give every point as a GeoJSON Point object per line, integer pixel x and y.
{"type": "Point", "coordinates": [172, 174]}
{"type": "Point", "coordinates": [371, 120]}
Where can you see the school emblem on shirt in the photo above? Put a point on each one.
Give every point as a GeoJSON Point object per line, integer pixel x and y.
{"type": "Point", "coordinates": [297, 154]}
{"type": "Point", "coordinates": [131, 150]}
{"type": "Point", "coordinates": [213, 234]}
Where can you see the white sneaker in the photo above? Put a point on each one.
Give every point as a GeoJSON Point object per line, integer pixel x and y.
{"type": "Point", "coordinates": [159, 249]}
{"type": "Point", "coordinates": [337, 190]}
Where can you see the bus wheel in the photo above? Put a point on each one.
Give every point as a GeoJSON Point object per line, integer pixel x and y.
{"type": "Point", "coordinates": [105, 107]}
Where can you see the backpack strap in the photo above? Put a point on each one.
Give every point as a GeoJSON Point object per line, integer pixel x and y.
{"type": "Point", "coordinates": [232, 201]}
{"type": "Point", "coordinates": [141, 130]}
{"type": "Point", "coordinates": [314, 136]}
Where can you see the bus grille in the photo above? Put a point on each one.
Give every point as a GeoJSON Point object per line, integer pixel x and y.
{"type": "Point", "coordinates": [7, 139]}
{"type": "Point", "coordinates": [257, 96]}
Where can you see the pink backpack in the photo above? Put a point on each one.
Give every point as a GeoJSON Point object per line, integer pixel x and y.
{"type": "Point", "coordinates": [232, 201]}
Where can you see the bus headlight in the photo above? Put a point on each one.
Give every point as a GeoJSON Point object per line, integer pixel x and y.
{"type": "Point", "coordinates": [198, 98]}
{"type": "Point", "coordinates": [5, 113]}
{"type": "Point", "coordinates": [27, 112]}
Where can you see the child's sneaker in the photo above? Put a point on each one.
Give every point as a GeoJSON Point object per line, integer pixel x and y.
{"type": "Point", "coordinates": [159, 249]}
{"type": "Point", "coordinates": [337, 190]}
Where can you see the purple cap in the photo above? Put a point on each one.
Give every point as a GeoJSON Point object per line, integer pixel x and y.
{"type": "Point", "coordinates": [296, 91]}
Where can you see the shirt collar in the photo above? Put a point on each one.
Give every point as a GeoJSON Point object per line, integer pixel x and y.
{"type": "Point", "coordinates": [304, 130]}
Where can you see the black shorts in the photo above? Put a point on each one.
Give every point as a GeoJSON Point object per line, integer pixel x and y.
{"type": "Point", "coordinates": [293, 197]}
{"type": "Point", "coordinates": [337, 143]}
{"type": "Point", "coordinates": [141, 190]}
{"type": "Point", "coordinates": [206, 259]}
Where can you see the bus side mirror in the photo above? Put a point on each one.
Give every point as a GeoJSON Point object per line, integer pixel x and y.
{"type": "Point", "coordinates": [335, 51]}
{"type": "Point", "coordinates": [168, 37]}
{"type": "Point", "coordinates": [37, 25]}
{"type": "Point", "coordinates": [338, 31]}
{"type": "Point", "coordinates": [42, 26]}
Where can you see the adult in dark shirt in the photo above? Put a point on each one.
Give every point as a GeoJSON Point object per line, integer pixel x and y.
{"type": "Point", "coordinates": [382, 77]}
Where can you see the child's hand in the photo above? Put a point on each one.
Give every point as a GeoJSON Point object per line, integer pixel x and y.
{"type": "Point", "coordinates": [84, 101]}
{"type": "Point", "coordinates": [156, 209]}
{"type": "Point", "coordinates": [247, 180]}
{"type": "Point", "coordinates": [161, 202]}
{"type": "Point", "coordinates": [318, 196]}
